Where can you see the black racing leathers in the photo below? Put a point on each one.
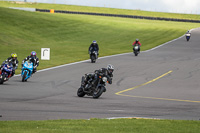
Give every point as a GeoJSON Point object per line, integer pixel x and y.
{"type": "Point", "coordinates": [94, 47]}
{"type": "Point", "coordinates": [102, 72]}
{"type": "Point", "coordinates": [88, 78]}
{"type": "Point", "coordinates": [92, 78]}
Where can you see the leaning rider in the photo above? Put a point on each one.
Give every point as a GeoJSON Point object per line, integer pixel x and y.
{"type": "Point", "coordinates": [33, 58]}
{"type": "Point", "coordinates": [91, 78]}
{"type": "Point", "coordinates": [13, 60]}
{"type": "Point", "coordinates": [104, 71]}
{"type": "Point", "coordinates": [88, 78]}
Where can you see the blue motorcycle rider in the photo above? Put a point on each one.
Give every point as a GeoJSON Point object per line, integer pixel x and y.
{"type": "Point", "coordinates": [9, 69]}
{"type": "Point", "coordinates": [13, 60]}
{"type": "Point", "coordinates": [33, 58]}
{"type": "Point", "coordinates": [188, 35]}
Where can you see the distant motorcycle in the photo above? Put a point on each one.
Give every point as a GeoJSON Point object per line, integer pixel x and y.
{"type": "Point", "coordinates": [93, 90]}
{"type": "Point", "coordinates": [136, 49]}
{"type": "Point", "coordinates": [187, 36]}
{"type": "Point", "coordinates": [27, 70]}
{"type": "Point", "coordinates": [6, 72]}
{"type": "Point", "coordinates": [93, 55]}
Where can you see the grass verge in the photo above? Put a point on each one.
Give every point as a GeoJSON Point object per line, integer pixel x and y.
{"type": "Point", "coordinates": [101, 126]}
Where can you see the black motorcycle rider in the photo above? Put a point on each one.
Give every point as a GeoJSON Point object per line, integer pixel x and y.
{"type": "Point", "coordinates": [94, 47]}
{"type": "Point", "coordinates": [13, 60]}
{"type": "Point", "coordinates": [92, 78]}
{"type": "Point", "coordinates": [33, 58]}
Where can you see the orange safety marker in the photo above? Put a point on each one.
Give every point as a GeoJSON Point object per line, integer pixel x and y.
{"type": "Point", "coordinates": [52, 11]}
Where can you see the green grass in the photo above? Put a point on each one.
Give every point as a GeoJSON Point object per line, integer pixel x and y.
{"type": "Point", "coordinates": [69, 36]}
{"type": "Point", "coordinates": [100, 10]}
{"type": "Point", "coordinates": [101, 126]}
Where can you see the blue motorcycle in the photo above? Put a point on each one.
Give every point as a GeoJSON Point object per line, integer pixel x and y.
{"type": "Point", "coordinates": [6, 72]}
{"type": "Point", "coordinates": [27, 70]}
{"type": "Point", "coordinates": [187, 36]}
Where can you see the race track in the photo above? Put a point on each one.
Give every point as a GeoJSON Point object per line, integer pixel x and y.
{"type": "Point", "coordinates": [161, 83]}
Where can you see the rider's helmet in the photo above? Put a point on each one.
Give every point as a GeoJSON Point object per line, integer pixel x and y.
{"type": "Point", "coordinates": [14, 56]}
{"type": "Point", "coordinates": [33, 55]}
{"type": "Point", "coordinates": [110, 68]}
{"type": "Point", "coordinates": [137, 40]}
{"type": "Point", "coordinates": [94, 42]}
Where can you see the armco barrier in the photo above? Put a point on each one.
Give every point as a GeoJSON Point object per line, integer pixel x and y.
{"type": "Point", "coordinates": [123, 16]}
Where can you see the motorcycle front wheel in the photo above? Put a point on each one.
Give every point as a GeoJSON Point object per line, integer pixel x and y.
{"type": "Point", "coordinates": [2, 79]}
{"type": "Point", "coordinates": [136, 53]}
{"type": "Point", "coordinates": [187, 38]}
{"type": "Point", "coordinates": [93, 60]}
{"type": "Point", "coordinates": [98, 92]}
{"type": "Point", "coordinates": [24, 76]}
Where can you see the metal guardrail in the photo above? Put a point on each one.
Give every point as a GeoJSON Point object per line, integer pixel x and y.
{"type": "Point", "coordinates": [123, 16]}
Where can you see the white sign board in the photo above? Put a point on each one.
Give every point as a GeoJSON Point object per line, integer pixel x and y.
{"type": "Point", "coordinates": [45, 53]}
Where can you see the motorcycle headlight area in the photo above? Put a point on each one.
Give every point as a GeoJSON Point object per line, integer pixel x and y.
{"type": "Point", "coordinates": [104, 79]}
{"type": "Point", "coordinates": [136, 47]}
{"type": "Point", "coordinates": [27, 65]}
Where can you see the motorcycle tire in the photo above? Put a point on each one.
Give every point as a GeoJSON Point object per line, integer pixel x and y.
{"type": "Point", "coordinates": [24, 76]}
{"type": "Point", "coordinates": [136, 53]}
{"type": "Point", "coordinates": [93, 60]}
{"type": "Point", "coordinates": [80, 92]}
{"type": "Point", "coordinates": [2, 79]}
{"type": "Point", "coordinates": [98, 92]}
{"type": "Point", "coordinates": [187, 38]}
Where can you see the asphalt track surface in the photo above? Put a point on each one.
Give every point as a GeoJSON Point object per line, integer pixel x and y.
{"type": "Point", "coordinates": [161, 83]}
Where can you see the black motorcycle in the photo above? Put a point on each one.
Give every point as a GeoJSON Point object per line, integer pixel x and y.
{"type": "Point", "coordinates": [136, 49]}
{"type": "Point", "coordinates": [93, 55]}
{"type": "Point", "coordinates": [93, 90]}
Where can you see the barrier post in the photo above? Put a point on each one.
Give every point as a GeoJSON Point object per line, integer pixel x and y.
{"type": "Point", "coordinates": [52, 11]}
